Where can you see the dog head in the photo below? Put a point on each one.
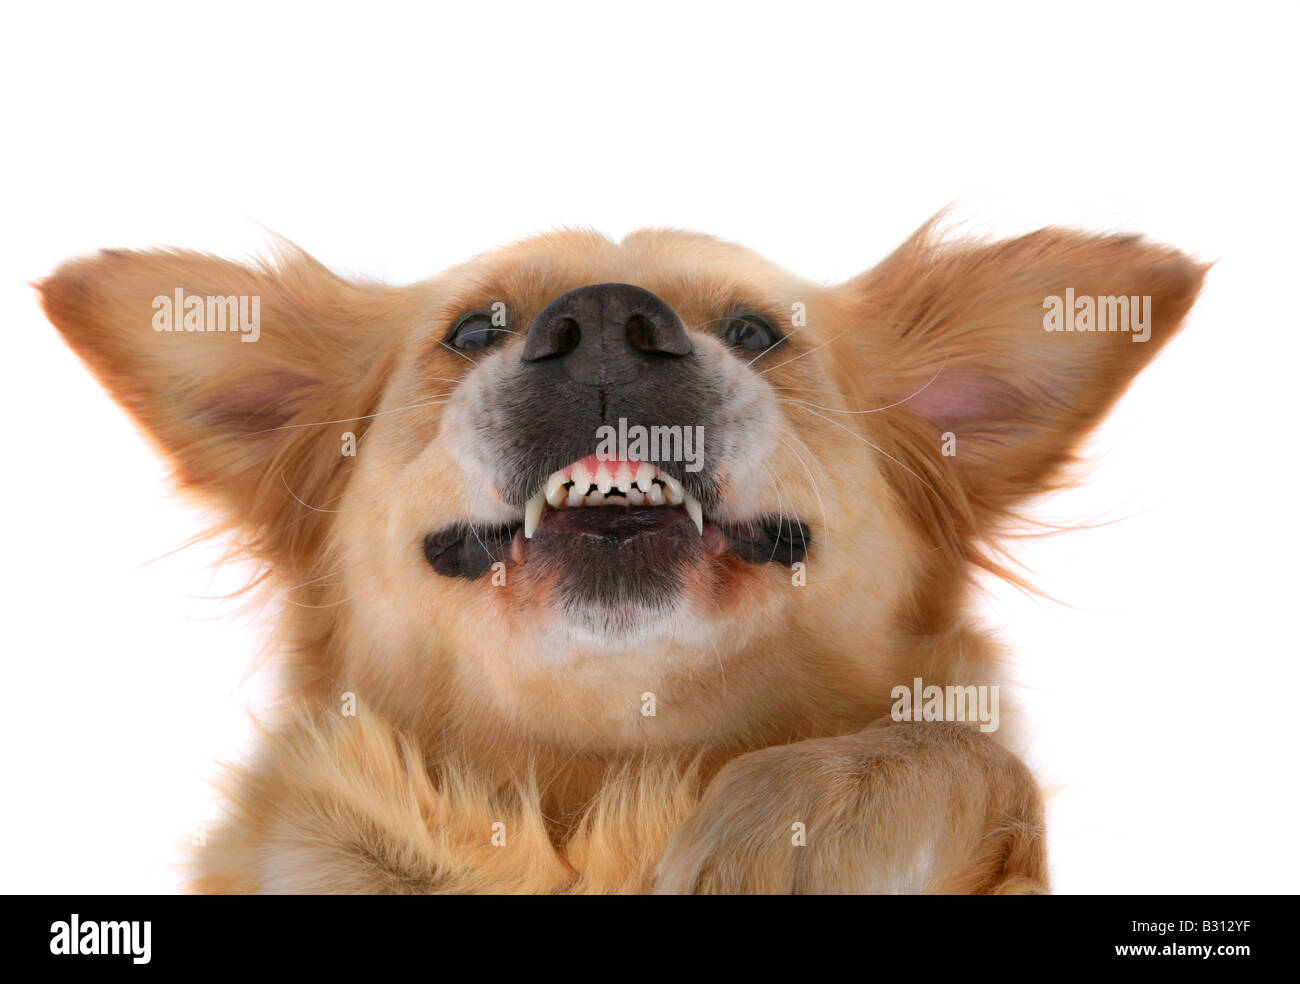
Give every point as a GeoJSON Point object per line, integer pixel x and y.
{"type": "Point", "coordinates": [573, 476]}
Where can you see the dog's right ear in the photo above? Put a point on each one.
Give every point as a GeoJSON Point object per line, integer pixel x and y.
{"type": "Point", "coordinates": [950, 341]}
{"type": "Point", "coordinates": [243, 406]}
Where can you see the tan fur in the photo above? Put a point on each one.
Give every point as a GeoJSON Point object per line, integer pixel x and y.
{"type": "Point", "coordinates": [774, 701]}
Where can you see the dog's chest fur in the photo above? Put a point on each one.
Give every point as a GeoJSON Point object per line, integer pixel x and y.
{"type": "Point", "coordinates": [346, 805]}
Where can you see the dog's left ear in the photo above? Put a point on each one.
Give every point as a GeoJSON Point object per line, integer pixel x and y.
{"type": "Point", "coordinates": [989, 357]}
{"type": "Point", "coordinates": [245, 375]}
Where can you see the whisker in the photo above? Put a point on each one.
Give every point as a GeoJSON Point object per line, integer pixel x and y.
{"type": "Point", "coordinates": [891, 406]}
{"type": "Point", "coordinates": [808, 352]}
{"type": "Point", "coordinates": [457, 352]}
{"type": "Point", "coordinates": [813, 483]}
{"type": "Point", "coordinates": [780, 512]}
{"type": "Point", "coordinates": [315, 580]}
{"type": "Point", "coordinates": [480, 541]}
{"type": "Point", "coordinates": [768, 349]}
{"type": "Point", "coordinates": [337, 573]}
{"type": "Point", "coordinates": [347, 420]}
{"type": "Point", "coordinates": [299, 501]}
{"type": "Point", "coordinates": [933, 491]}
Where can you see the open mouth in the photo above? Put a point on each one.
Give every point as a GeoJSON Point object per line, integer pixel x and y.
{"type": "Point", "coordinates": [617, 482]}
{"type": "Point", "coordinates": [611, 523]}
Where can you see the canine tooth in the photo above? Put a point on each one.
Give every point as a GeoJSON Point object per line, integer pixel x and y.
{"type": "Point", "coordinates": [581, 478]}
{"type": "Point", "coordinates": [673, 490]}
{"type": "Point", "coordinates": [636, 497]}
{"type": "Point", "coordinates": [645, 474]}
{"type": "Point", "coordinates": [696, 512]}
{"type": "Point", "coordinates": [533, 514]}
{"type": "Point", "coordinates": [604, 480]}
{"type": "Point", "coordinates": [554, 490]}
{"type": "Point", "coordinates": [575, 497]}
{"type": "Point", "coordinates": [656, 495]}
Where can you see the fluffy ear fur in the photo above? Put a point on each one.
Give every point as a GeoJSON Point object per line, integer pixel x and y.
{"type": "Point", "coordinates": [985, 404]}
{"type": "Point", "coordinates": [243, 420]}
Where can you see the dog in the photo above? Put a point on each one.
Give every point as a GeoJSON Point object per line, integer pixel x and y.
{"type": "Point", "coordinates": [607, 567]}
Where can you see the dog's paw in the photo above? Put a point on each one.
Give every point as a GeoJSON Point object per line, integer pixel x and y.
{"type": "Point", "coordinates": [899, 809]}
{"type": "Point", "coordinates": [776, 821]}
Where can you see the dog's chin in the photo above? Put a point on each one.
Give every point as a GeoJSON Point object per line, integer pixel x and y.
{"type": "Point", "coordinates": [613, 570]}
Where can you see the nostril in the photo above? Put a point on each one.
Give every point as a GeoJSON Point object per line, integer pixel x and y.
{"type": "Point", "coordinates": [558, 335]}
{"type": "Point", "coordinates": [567, 336]}
{"type": "Point", "coordinates": [641, 334]}
{"type": "Point", "coordinates": [655, 333]}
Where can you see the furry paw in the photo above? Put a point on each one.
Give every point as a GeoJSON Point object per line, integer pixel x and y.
{"type": "Point", "coordinates": [894, 809]}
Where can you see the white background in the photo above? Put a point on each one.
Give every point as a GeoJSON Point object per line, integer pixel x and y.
{"type": "Point", "coordinates": [392, 142]}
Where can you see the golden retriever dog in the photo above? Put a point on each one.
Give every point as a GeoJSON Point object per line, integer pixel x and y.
{"type": "Point", "coordinates": [614, 566]}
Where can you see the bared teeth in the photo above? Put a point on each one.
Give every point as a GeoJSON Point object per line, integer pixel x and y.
{"type": "Point", "coordinates": [623, 477]}
{"type": "Point", "coordinates": [533, 514]}
{"type": "Point", "coordinates": [673, 490]}
{"type": "Point", "coordinates": [554, 489]}
{"type": "Point", "coordinates": [591, 482]}
{"type": "Point", "coordinates": [581, 478]}
{"type": "Point", "coordinates": [696, 512]}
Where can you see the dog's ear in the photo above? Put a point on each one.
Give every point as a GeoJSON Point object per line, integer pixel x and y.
{"type": "Point", "coordinates": [237, 372]}
{"type": "Point", "coordinates": [987, 398]}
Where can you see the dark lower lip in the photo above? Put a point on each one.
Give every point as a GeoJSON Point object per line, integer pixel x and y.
{"type": "Point", "coordinates": [612, 557]}
{"type": "Point", "coordinates": [615, 527]}
{"type": "Point", "coordinates": [627, 538]}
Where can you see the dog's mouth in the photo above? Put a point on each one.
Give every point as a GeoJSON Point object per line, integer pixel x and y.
{"type": "Point", "coordinates": [612, 482]}
{"type": "Point", "coordinates": [615, 528]}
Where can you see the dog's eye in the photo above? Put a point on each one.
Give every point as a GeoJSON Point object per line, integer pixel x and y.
{"type": "Point", "coordinates": [475, 331]}
{"type": "Point", "coordinates": [750, 331]}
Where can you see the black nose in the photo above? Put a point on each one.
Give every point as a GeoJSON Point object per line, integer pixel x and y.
{"type": "Point", "coordinates": [606, 331]}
